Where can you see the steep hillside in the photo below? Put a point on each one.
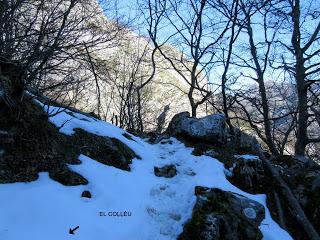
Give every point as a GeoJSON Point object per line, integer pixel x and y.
{"type": "Point", "coordinates": [121, 58]}
{"type": "Point", "coordinates": [152, 198]}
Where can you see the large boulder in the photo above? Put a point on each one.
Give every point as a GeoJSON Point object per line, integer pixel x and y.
{"type": "Point", "coordinates": [174, 126]}
{"type": "Point", "coordinates": [223, 215]}
{"type": "Point", "coordinates": [211, 128]}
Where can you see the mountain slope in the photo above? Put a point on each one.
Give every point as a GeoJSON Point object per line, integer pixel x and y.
{"type": "Point", "coordinates": [158, 207]}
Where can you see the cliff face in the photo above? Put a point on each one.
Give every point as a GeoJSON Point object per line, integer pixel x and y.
{"type": "Point", "coordinates": [121, 61]}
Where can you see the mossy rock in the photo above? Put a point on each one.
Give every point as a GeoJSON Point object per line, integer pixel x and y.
{"type": "Point", "coordinates": [109, 151]}
{"type": "Point", "coordinates": [223, 215]}
{"type": "Point", "coordinates": [249, 175]}
{"type": "Point", "coordinates": [67, 177]}
{"type": "Point", "coordinates": [36, 145]}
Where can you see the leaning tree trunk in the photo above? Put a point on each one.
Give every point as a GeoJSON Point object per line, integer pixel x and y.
{"type": "Point", "coordinates": [287, 194]}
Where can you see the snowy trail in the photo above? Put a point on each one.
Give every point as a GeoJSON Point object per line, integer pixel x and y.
{"type": "Point", "coordinates": [159, 207]}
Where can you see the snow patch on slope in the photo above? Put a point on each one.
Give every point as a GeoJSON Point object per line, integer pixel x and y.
{"type": "Point", "coordinates": [159, 207]}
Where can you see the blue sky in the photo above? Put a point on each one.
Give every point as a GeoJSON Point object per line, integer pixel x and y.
{"type": "Point", "coordinates": [128, 11]}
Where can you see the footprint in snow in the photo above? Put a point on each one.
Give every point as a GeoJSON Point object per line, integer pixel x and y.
{"type": "Point", "coordinates": [163, 216]}
{"type": "Point", "coordinates": [189, 172]}
{"type": "Point", "coordinates": [163, 190]}
{"type": "Point", "coordinates": [157, 190]}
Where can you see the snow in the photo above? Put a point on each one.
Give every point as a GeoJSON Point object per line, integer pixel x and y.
{"type": "Point", "coordinates": [247, 157]}
{"type": "Point", "coordinates": [159, 207]}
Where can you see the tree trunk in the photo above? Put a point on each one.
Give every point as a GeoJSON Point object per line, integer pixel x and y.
{"type": "Point", "coordinates": [262, 90]}
{"type": "Point", "coordinates": [266, 121]}
{"type": "Point", "coordinates": [140, 124]}
{"type": "Point", "coordinates": [193, 111]}
{"type": "Point", "coordinates": [302, 137]}
{"type": "Point", "coordinates": [190, 96]}
{"type": "Point", "coordinates": [226, 68]}
{"type": "Point", "coordinates": [293, 203]}
{"type": "Point", "coordinates": [302, 91]}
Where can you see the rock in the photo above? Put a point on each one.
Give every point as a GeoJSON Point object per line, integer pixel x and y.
{"type": "Point", "coordinates": [109, 151]}
{"type": "Point", "coordinates": [33, 145]}
{"type": "Point", "coordinates": [304, 182]}
{"type": "Point", "coordinates": [12, 85]}
{"type": "Point", "coordinates": [174, 126]}
{"type": "Point", "coordinates": [2, 152]}
{"type": "Point", "coordinates": [6, 138]}
{"type": "Point", "coordinates": [211, 153]}
{"type": "Point", "coordinates": [167, 171]}
{"type": "Point", "coordinates": [223, 215]}
{"type": "Point", "coordinates": [212, 224]}
{"type": "Point", "coordinates": [86, 194]}
{"type": "Point", "coordinates": [316, 184]}
{"type": "Point", "coordinates": [155, 138]}
{"type": "Point", "coordinates": [67, 177]}
{"type": "Point", "coordinates": [211, 128]}
{"type": "Point", "coordinates": [208, 127]}
{"type": "Point", "coordinates": [243, 141]}
{"type": "Point", "coordinates": [249, 175]}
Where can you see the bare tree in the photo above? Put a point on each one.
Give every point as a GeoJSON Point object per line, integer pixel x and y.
{"type": "Point", "coordinates": [302, 20]}
{"type": "Point", "coordinates": [132, 71]}
{"type": "Point", "coordinates": [257, 62]}
{"type": "Point", "coordinates": [46, 38]}
{"type": "Point", "coordinates": [230, 10]}
{"type": "Point", "coordinates": [196, 32]}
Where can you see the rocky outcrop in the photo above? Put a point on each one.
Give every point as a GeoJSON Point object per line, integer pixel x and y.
{"type": "Point", "coordinates": [174, 126]}
{"type": "Point", "coordinates": [304, 180]}
{"type": "Point", "coordinates": [242, 141]}
{"type": "Point", "coordinates": [249, 175]}
{"type": "Point", "coordinates": [65, 176]}
{"type": "Point", "coordinates": [36, 145]}
{"type": "Point", "coordinates": [167, 171]}
{"type": "Point", "coordinates": [11, 85]}
{"type": "Point", "coordinates": [223, 215]}
{"type": "Point", "coordinates": [109, 151]}
{"type": "Point", "coordinates": [211, 128]}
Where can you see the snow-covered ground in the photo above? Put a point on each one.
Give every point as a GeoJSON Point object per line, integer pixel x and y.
{"type": "Point", "coordinates": [158, 207]}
